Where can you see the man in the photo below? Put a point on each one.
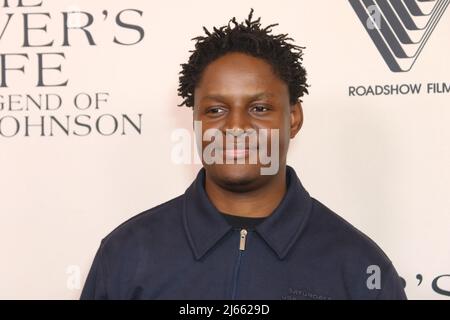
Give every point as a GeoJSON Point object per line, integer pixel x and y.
{"type": "Point", "coordinates": [243, 229]}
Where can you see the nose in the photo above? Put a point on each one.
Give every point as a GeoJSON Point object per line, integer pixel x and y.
{"type": "Point", "coordinates": [237, 123]}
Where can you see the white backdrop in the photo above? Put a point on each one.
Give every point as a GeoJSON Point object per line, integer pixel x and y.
{"type": "Point", "coordinates": [380, 161]}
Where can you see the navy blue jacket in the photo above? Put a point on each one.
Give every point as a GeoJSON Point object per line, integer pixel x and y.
{"type": "Point", "coordinates": [185, 249]}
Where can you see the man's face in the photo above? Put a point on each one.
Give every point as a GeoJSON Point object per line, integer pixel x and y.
{"type": "Point", "coordinates": [238, 91]}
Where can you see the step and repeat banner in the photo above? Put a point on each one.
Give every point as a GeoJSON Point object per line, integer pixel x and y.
{"type": "Point", "coordinates": [88, 116]}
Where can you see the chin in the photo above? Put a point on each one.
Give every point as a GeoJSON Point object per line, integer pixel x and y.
{"type": "Point", "coordinates": [235, 177]}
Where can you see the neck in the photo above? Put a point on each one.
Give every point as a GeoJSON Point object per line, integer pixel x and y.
{"type": "Point", "coordinates": [259, 202]}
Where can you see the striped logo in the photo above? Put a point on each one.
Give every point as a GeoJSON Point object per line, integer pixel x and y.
{"type": "Point", "coordinates": [399, 28]}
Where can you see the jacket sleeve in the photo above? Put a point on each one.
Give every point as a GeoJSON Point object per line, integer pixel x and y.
{"type": "Point", "coordinates": [392, 286]}
{"type": "Point", "coordinates": [94, 287]}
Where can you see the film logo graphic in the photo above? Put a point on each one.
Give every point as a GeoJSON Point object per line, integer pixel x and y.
{"type": "Point", "coordinates": [399, 29]}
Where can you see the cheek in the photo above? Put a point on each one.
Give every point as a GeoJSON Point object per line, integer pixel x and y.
{"type": "Point", "coordinates": [283, 125]}
{"type": "Point", "coordinates": [283, 141]}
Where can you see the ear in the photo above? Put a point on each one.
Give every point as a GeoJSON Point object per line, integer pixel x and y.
{"type": "Point", "coordinates": [296, 117]}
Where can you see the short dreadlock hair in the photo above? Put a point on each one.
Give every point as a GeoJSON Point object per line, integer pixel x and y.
{"type": "Point", "coordinates": [249, 38]}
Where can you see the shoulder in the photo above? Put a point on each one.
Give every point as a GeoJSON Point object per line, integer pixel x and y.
{"type": "Point", "coordinates": [347, 242]}
{"type": "Point", "coordinates": [146, 226]}
{"type": "Point", "coordinates": [356, 258]}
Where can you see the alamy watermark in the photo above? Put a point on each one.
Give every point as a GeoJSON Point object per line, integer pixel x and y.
{"type": "Point", "coordinates": [234, 146]}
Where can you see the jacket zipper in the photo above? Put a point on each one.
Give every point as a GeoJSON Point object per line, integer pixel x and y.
{"type": "Point", "coordinates": [242, 243]}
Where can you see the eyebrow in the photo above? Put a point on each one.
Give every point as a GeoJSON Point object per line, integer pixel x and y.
{"type": "Point", "coordinates": [250, 97]}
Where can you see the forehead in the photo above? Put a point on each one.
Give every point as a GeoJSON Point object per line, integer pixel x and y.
{"type": "Point", "coordinates": [239, 74]}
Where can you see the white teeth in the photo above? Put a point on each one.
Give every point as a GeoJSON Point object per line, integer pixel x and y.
{"type": "Point", "coordinates": [240, 153]}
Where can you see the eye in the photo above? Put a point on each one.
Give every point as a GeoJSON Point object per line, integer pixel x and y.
{"type": "Point", "coordinates": [259, 108]}
{"type": "Point", "coordinates": [216, 110]}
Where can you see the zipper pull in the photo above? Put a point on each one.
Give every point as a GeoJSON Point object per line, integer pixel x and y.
{"type": "Point", "coordinates": [243, 238]}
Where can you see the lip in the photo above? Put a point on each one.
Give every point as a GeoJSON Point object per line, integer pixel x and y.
{"type": "Point", "coordinates": [237, 153]}
{"type": "Point", "coordinates": [240, 147]}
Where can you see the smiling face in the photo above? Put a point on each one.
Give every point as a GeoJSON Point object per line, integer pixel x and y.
{"type": "Point", "coordinates": [239, 91]}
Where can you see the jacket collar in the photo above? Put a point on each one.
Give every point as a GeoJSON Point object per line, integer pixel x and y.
{"type": "Point", "coordinates": [205, 226]}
